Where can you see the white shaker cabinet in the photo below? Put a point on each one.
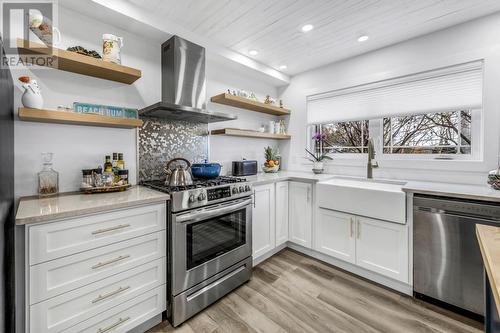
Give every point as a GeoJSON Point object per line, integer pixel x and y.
{"type": "Point", "coordinates": [263, 220]}
{"type": "Point", "coordinates": [281, 213]}
{"type": "Point", "coordinates": [82, 271]}
{"type": "Point", "coordinates": [300, 213]}
{"type": "Point", "coordinates": [382, 247]}
{"type": "Point", "coordinates": [335, 234]}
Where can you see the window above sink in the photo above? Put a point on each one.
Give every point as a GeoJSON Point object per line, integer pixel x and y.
{"type": "Point", "coordinates": [432, 115]}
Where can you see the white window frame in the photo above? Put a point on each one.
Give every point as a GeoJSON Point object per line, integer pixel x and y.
{"type": "Point", "coordinates": [475, 155]}
{"type": "Point", "coordinates": [376, 132]}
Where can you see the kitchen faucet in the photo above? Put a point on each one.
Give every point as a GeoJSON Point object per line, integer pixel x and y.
{"type": "Point", "coordinates": [371, 156]}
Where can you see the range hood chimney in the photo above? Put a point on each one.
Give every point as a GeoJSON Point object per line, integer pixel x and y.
{"type": "Point", "coordinates": [183, 84]}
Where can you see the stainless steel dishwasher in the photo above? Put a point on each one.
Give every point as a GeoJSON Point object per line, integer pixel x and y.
{"type": "Point", "coordinates": [447, 264]}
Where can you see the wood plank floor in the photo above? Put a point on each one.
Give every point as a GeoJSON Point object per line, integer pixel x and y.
{"type": "Point", "coordinates": [291, 292]}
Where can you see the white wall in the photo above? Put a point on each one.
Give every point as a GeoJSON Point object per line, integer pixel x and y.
{"type": "Point", "coordinates": [78, 147]}
{"type": "Point", "coordinates": [469, 41]}
{"type": "Point", "coordinates": [225, 149]}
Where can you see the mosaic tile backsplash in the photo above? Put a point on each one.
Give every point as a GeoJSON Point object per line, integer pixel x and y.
{"type": "Point", "coordinates": [160, 140]}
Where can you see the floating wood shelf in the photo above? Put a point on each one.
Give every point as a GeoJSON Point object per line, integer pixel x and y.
{"type": "Point", "coordinates": [68, 117]}
{"type": "Point", "coordinates": [250, 134]}
{"type": "Point", "coordinates": [78, 63]}
{"type": "Point", "coordinates": [245, 103]}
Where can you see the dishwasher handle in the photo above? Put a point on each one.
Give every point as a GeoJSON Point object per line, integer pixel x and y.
{"type": "Point", "coordinates": [459, 207]}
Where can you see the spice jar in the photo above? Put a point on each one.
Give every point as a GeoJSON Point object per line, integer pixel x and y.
{"type": "Point", "coordinates": [123, 177]}
{"type": "Point", "coordinates": [108, 178]}
{"type": "Point", "coordinates": [87, 178]}
{"type": "Point", "coordinates": [97, 175]}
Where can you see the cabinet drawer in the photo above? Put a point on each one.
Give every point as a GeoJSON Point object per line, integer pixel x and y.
{"type": "Point", "coordinates": [58, 276]}
{"type": "Point", "coordinates": [68, 309]}
{"type": "Point", "coordinates": [126, 316]}
{"type": "Point", "coordinates": [58, 239]}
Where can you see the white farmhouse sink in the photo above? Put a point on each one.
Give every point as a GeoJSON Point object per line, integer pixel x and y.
{"type": "Point", "coordinates": [379, 199]}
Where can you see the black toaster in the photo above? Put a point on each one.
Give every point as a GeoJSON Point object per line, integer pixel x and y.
{"type": "Point", "coordinates": [244, 168]}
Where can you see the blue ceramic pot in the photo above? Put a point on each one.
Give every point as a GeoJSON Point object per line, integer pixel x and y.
{"type": "Point", "coordinates": [205, 170]}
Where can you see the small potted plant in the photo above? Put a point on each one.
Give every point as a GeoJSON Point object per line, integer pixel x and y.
{"type": "Point", "coordinates": [272, 161]}
{"type": "Point", "coordinates": [318, 157]}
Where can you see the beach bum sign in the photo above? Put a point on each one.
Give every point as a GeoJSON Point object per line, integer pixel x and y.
{"type": "Point", "coordinates": [28, 35]}
{"type": "Point", "coordinates": [106, 110]}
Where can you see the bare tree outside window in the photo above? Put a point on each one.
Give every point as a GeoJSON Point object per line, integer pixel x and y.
{"type": "Point", "coordinates": [347, 137]}
{"type": "Point", "coordinates": [433, 133]}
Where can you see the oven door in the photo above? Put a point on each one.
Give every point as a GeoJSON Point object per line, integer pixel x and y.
{"type": "Point", "coordinates": [206, 241]}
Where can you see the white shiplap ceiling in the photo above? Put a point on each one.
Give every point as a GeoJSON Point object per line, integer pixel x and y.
{"type": "Point", "coordinates": [273, 27]}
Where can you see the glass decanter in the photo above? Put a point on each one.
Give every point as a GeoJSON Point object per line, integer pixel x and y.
{"type": "Point", "coordinates": [48, 178]}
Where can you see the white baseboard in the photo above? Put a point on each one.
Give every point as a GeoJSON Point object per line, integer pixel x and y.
{"type": "Point", "coordinates": [372, 276]}
{"type": "Point", "coordinates": [148, 324]}
{"type": "Point", "coordinates": [269, 254]}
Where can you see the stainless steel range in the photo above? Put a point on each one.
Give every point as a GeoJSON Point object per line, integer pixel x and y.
{"type": "Point", "coordinates": [209, 242]}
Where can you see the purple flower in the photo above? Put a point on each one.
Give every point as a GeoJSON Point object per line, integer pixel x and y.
{"type": "Point", "coordinates": [319, 137]}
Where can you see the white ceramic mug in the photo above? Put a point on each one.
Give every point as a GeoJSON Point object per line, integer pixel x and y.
{"type": "Point", "coordinates": [111, 47]}
{"type": "Point", "coordinates": [42, 28]}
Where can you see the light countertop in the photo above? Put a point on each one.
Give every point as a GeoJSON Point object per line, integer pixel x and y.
{"type": "Point", "coordinates": [265, 178]}
{"type": "Point", "coordinates": [463, 191]}
{"type": "Point", "coordinates": [489, 243]}
{"type": "Point", "coordinates": [34, 210]}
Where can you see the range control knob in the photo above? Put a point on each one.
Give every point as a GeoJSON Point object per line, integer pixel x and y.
{"type": "Point", "coordinates": [242, 189]}
{"type": "Point", "coordinates": [192, 198]}
{"type": "Point", "coordinates": [247, 188]}
{"type": "Point", "coordinates": [235, 190]}
{"type": "Point", "coordinates": [201, 197]}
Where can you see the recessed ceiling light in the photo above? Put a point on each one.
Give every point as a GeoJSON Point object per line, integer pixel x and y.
{"type": "Point", "coordinates": [283, 67]}
{"type": "Point", "coordinates": [363, 38]}
{"type": "Point", "coordinates": [253, 52]}
{"type": "Point", "coordinates": [307, 27]}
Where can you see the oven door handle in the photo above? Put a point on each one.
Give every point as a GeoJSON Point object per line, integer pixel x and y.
{"type": "Point", "coordinates": [204, 214]}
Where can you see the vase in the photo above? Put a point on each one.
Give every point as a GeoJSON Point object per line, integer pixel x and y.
{"type": "Point", "coordinates": [32, 100]}
{"type": "Point", "coordinates": [318, 167]}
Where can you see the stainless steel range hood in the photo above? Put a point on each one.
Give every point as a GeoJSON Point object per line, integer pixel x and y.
{"type": "Point", "coordinates": [183, 85]}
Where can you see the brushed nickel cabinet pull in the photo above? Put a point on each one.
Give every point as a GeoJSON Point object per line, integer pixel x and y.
{"type": "Point", "coordinates": [359, 229]}
{"type": "Point", "coordinates": [112, 293]}
{"type": "Point", "coordinates": [100, 231]}
{"type": "Point", "coordinates": [104, 263]}
{"type": "Point", "coordinates": [351, 227]}
{"type": "Point", "coordinates": [110, 327]}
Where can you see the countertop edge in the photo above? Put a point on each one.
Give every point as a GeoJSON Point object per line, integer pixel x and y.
{"type": "Point", "coordinates": [443, 193]}
{"type": "Point", "coordinates": [28, 219]}
{"type": "Point", "coordinates": [452, 194]}
{"type": "Point", "coordinates": [487, 262]}
{"type": "Point", "coordinates": [285, 178]}
{"type": "Point", "coordinates": [87, 211]}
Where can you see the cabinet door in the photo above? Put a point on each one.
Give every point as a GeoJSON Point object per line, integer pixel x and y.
{"type": "Point", "coordinates": [382, 247]}
{"type": "Point", "coordinates": [300, 213]}
{"type": "Point", "coordinates": [281, 212]}
{"type": "Point", "coordinates": [335, 234]}
{"type": "Point", "coordinates": [263, 220]}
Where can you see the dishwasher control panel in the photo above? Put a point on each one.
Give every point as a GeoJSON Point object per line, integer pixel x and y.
{"type": "Point", "coordinates": [472, 208]}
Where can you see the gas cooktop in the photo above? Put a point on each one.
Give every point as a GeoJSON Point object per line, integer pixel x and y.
{"type": "Point", "coordinates": [202, 192]}
{"type": "Point", "coordinates": [197, 183]}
